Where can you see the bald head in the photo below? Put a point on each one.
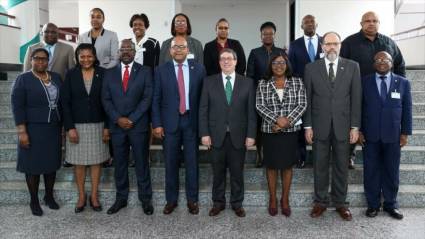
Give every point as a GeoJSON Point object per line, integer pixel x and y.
{"type": "Point", "coordinates": [309, 25]}
{"type": "Point", "coordinates": [49, 32]}
{"type": "Point", "coordinates": [370, 24]}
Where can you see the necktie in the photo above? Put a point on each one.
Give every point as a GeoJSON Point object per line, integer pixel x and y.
{"type": "Point", "coordinates": [49, 49]}
{"type": "Point", "coordinates": [383, 88]}
{"type": "Point", "coordinates": [125, 77]}
{"type": "Point", "coordinates": [180, 82]}
{"type": "Point", "coordinates": [228, 90]}
{"type": "Point", "coordinates": [311, 52]}
{"type": "Point", "coordinates": [331, 72]}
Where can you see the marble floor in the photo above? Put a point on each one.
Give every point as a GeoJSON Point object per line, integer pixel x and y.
{"type": "Point", "coordinates": [16, 221]}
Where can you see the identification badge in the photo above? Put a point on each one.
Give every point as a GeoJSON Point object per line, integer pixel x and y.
{"type": "Point", "coordinates": [143, 49]}
{"type": "Point", "coordinates": [395, 95]}
{"type": "Point", "coordinates": [190, 56]}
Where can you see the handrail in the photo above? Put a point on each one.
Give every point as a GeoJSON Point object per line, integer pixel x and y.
{"type": "Point", "coordinates": [9, 26]}
{"type": "Point", "coordinates": [7, 15]}
{"type": "Point", "coordinates": [408, 31]}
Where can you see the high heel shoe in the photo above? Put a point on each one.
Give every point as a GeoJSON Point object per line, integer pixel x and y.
{"type": "Point", "coordinates": [285, 211]}
{"type": "Point", "coordinates": [272, 210]}
{"type": "Point", "coordinates": [36, 209]}
{"type": "Point", "coordinates": [51, 203]}
{"type": "Point", "coordinates": [95, 208]}
{"type": "Point", "coordinates": [80, 209]}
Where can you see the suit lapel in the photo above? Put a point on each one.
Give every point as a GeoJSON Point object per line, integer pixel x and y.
{"type": "Point", "coordinates": [191, 78]}
{"type": "Point", "coordinates": [339, 72]}
{"type": "Point", "coordinates": [220, 85]}
{"type": "Point", "coordinates": [95, 81]}
{"type": "Point", "coordinates": [303, 46]}
{"type": "Point", "coordinates": [118, 78]}
{"type": "Point", "coordinates": [56, 53]}
{"type": "Point", "coordinates": [173, 78]}
{"type": "Point", "coordinates": [324, 73]}
{"type": "Point", "coordinates": [319, 50]}
{"type": "Point", "coordinates": [236, 88]}
{"type": "Point", "coordinates": [134, 71]}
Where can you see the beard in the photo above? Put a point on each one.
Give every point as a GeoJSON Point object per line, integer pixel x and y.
{"type": "Point", "coordinates": [332, 55]}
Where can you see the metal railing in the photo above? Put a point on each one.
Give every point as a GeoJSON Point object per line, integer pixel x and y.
{"type": "Point", "coordinates": [409, 34]}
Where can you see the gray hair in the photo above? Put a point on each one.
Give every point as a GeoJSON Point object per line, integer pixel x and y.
{"type": "Point", "coordinates": [331, 32]}
{"type": "Point", "coordinates": [228, 50]}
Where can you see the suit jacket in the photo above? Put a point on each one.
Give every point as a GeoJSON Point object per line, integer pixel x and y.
{"type": "Point", "coordinates": [30, 102]}
{"type": "Point", "coordinates": [298, 55]}
{"type": "Point", "coordinates": [386, 121]}
{"type": "Point", "coordinates": [215, 115]}
{"type": "Point", "coordinates": [340, 106]}
{"type": "Point", "coordinates": [165, 102]}
{"type": "Point", "coordinates": [211, 57]}
{"type": "Point", "coordinates": [258, 61]}
{"type": "Point", "coordinates": [134, 103]}
{"type": "Point", "coordinates": [78, 105]}
{"type": "Point", "coordinates": [63, 58]}
{"type": "Point", "coordinates": [195, 48]}
{"type": "Point", "coordinates": [106, 47]}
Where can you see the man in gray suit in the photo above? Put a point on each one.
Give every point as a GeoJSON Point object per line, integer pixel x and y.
{"type": "Point", "coordinates": [331, 122]}
{"type": "Point", "coordinates": [61, 55]}
{"type": "Point", "coordinates": [227, 124]}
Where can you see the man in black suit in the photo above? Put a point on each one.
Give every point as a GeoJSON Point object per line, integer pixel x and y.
{"type": "Point", "coordinates": [214, 47]}
{"type": "Point", "coordinates": [126, 97]}
{"type": "Point", "coordinates": [302, 51]}
{"type": "Point", "coordinates": [227, 125]}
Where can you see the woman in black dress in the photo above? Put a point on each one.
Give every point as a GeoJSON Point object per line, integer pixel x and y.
{"type": "Point", "coordinates": [281, 101]}
{"type": "Point", "coordinates": [37, 116]}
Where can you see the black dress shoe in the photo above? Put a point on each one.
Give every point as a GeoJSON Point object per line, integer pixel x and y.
{"type": "Point", "coordinates": [51, 203]}
{"type": "Point", "coordinates": [66, 164]}
{"type": "Point", "coordinates": [240, 212]}
{"type": "Point", "coordinates": [169, 208]}
{"type": "Point", "coordinates": [301, 164]}
{"type": "Point", "coordinates": [118, 204]}
{"type": "Point", "coordinates": [78, 209]}
{"type": "Point", "coordinates": [193, 207]}
{"type": "Point", "coordinates": [372, 212]}
{"type": "Point", "coordinates": [36, 209]}
{"type": "Point", "coordinates": [97, 208]}
{"type": "Point", "coordinates": [394, 213]}
{"type": "Point", "coordinates": [147, 208]}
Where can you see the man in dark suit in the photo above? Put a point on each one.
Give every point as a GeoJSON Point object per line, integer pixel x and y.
{"type": "Point", "coordinates": [227, 125]}
{"type": "Point", "coordinates": [302, 51]}
{"type": "Point", "coordinates": [175, 105]}
{"type": "Point", "coordinates": [126, 97]}
{"type": "Point", "coordinates": [214, 47]}
{"type": "Point", "coordinates": [332, 120]}
{"type": "Point", "coordinates": [386, 123]}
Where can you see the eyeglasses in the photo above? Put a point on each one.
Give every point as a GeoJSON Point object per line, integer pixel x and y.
{"type": "Point", "coordinates": [334, 44]}
{"type": "Point", "coordinates": [126, 49]}
{"type": "Point", "coordinates": [179, 22]}
{"type": "Point", "coordinates": [37, 58]}
{"type": "Point", "coordinates": [382, 61]}
{"type": "Point", "coordinates": [179, 47]}
{"type": "Point", "coordinates": [50, 32]}
{"type": "Point", "coordinates": [276, 63]}
{"type": "Point", "coordinates": [226, 59]}
{"type": "Point", "coordinates": [223, 28]}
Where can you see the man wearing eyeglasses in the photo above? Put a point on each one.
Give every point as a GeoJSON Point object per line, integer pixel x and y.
{"type": "Point", "coordinates": [227, 125]}
{"type": "Point", "coordinates": [386, 124]}
{"type": "Point", "coordinates": [362, 47]}
{"type": "Point", "coordinates": [331, 122]}
{"type": "Point", "coordinates": [214, 47]}
{"type": "Point", "coordinates": [61, 55]}
{"type": "Point", "coordinates": [177, 89]}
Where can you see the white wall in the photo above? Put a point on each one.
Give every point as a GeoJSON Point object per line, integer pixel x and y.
{"type": "Point", "coordinates": [344, 16]}
{"type": "Point", "coordinates": [118, 14]}
{"type": "Point", "coordinates": [245, 19]}
{"type": "Point", "coordinates": [9, 46]}
{"type": "Point", "coordinates": [64, 13]}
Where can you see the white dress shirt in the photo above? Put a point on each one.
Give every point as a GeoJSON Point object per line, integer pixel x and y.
{"type": "Point", "coordinates": [139, 49]}
{"type": "Point", "coordinates": [130, 66]}
{"type": "Point", "coordinates": [232, 80]}
{"type": "Point", "coordinates": [314, 41]}
{"type": "Point", "coordinates": [335, 66]}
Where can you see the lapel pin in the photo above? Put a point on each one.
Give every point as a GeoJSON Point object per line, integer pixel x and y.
{"type": "Point", "coordinates": [342, 68]}
{"type": "Point", "coordinates": [192, 67]}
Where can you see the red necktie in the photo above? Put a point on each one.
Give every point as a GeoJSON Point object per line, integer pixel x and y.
{"type": "Point", "coordinates": [125, 78]}
{"type": "Point", "coordinates": [180, 81]}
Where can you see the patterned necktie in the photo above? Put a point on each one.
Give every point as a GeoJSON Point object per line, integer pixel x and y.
{"type": "Point", "coordinates": [125, 78]}
{"type": "Point", "coordinates": [180, 82]}
{"type": "Point", "coordinates": [331, 72]}
{"type": "Point", "coordinates": [311, 52]}
{"type": "Point", "coordinates": [228, 90]}
{"type": "Point", "coordinates": [383, 88]}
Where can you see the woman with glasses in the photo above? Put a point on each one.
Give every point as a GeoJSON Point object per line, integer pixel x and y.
{"type": "Point", "coordinates": [281, 101]}
{"type": "Point", "coordinates": [180, 26]}
{"type": "Point", "coordinates": [37, 115]}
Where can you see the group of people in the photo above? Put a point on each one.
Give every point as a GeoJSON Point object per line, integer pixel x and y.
{"type": "Point", "coordinates": [326, 92]}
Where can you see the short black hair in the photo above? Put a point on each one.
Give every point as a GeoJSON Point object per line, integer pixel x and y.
{"type": "Point", "coordinates": [40, 49]}
{"type": "Point", "coordinates": [288, 70]}
{"type": "Point", "coordinates": [173, 27]}
{"type": "Point", "coordinates": [268, 24]}
{"type": "Point", "coordinates": [142, 17]}
{"type": "Point", "coordinates": [86, 46]}
{"type": "Point", "coordinates": [99, 10]}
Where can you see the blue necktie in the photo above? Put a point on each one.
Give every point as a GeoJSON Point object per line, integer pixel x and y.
{"type": "Point", "coordinates": [49, 49]}
{"type": "Point", "coordinates": [383, 88]}
{"type": "Point", "coordinates": [311, 52]}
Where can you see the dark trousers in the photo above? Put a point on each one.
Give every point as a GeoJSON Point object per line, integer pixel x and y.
{"type": "Point", "coordinates": [302, 151]}
{"type": "Point", "coordinates": [322, 150]}
{"type": "Point", "coordinates": [122, 143]}
{"type": "Point", "coordinates": [228, 157]}
{"type": "Point", "coordinates": [381, 173]}
{"type": "Point", "coordinates": [186, 136]}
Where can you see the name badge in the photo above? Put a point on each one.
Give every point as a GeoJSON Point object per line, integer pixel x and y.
{"type": "Point", "coordinates": [395, 95]}
{"type": "Point", "coordinates": [190, 56]}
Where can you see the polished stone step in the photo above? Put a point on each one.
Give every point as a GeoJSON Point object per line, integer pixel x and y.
{"type": "Point", "coordinates": [255, 195]}
{"type": "Point", "coordinates": [411, 174]}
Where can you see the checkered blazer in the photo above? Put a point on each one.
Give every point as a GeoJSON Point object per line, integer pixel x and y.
{"type": "Point", "coordinates": [270, 107]}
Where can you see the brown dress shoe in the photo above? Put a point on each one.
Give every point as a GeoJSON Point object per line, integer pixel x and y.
{"type": "Point", "coordinates": [317, 211]}
{"type": "Point", "coordinates": [215, 210]}
{"type": "Point", "coordinates": [344, 213]}
{"type": "Point", "coordinates": [169, 208]}
{"type": "Point", "coordinates": [240, 212]}
{"type": "Point", "coordinates": [193, 207]}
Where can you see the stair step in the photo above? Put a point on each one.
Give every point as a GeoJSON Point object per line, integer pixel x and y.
{"type": "Point", "coordinates": [255, 195]}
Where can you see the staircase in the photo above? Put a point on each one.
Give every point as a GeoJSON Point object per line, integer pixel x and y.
{"type": "Point", "coordinates": [13, 188]}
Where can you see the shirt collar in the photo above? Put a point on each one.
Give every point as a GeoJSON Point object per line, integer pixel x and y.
{"type": "Point", "coordinates": [233, 75]}
{"type": "Point", "coordinates": [377, 75]}
{"type": "Point", "coordinates": [45, 43]}
{"type": "Point", "coordinates": [130, 65]}
{"type": "Point", "coordinates": [141, 42]}
{"type": "Point", "coordinates": [185, 63]}
{"type": "Point", "coordinates": [327, 61]}
{"type": "Point", "coordinates": [378, 35]}
{"type": "Point", "coordinates": [101, 33]}
{"type": "Point", "coordinates": [314, 37]}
